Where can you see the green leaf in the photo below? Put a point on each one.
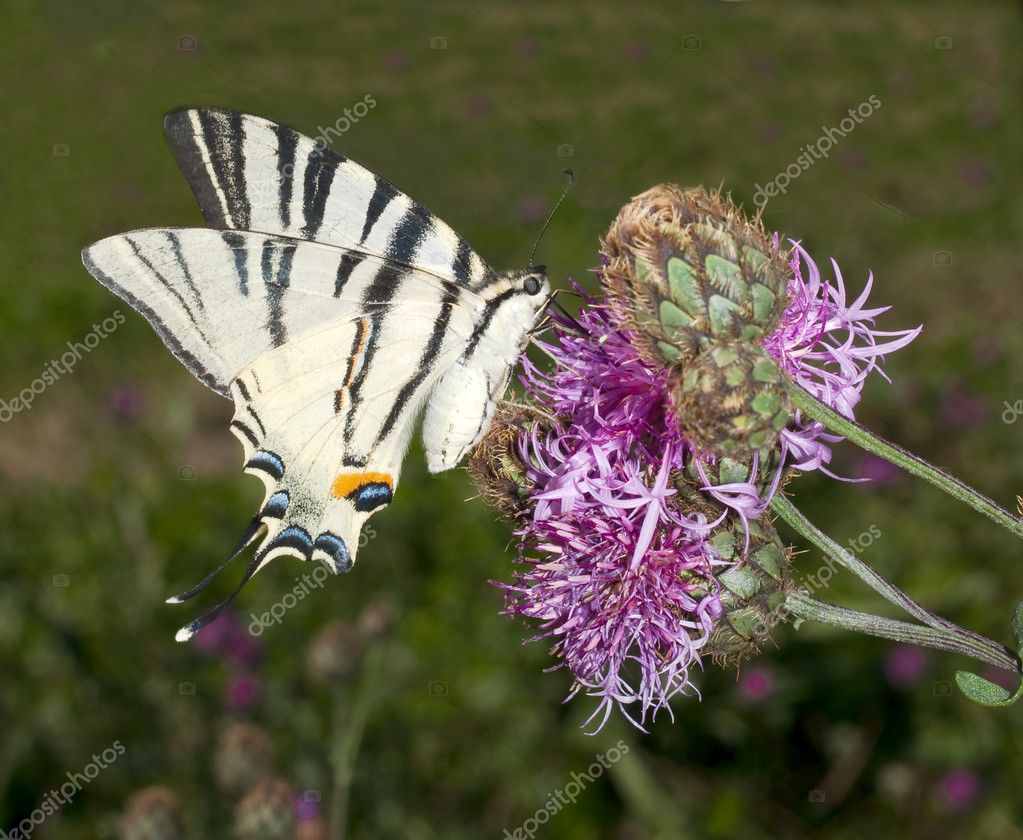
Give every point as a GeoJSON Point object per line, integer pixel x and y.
{"type": "Point", "coordinates": [983, 691]}
{"type": "Point", "coordinates": [1017, 625]}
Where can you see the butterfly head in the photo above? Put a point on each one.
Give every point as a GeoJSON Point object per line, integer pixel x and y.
{"type": "Point", "coordinates": [517, 299]}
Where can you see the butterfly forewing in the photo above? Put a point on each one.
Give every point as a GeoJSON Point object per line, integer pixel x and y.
{"type": "Point", "coordinates": [248, 173]}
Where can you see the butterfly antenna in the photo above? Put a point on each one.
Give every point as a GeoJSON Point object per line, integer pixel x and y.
{"type": "Point", "coordinates": [554, 209]}
{"type": "Point", "coordinates": [250, 533]}
{"type": "Point", "coordinates": [193, 627]}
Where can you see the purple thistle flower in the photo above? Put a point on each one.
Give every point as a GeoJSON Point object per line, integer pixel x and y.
{"type": "Point", "coordinates": [624, 582]}
{"type": "Point", "coordinates": [617, 567]}
{"type": "Point", "coordinates": [829, 348]}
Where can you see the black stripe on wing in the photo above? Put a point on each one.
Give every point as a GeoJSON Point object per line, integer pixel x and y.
{"type": "Point", "coordinates": [349, 262]}
{"type": "Point", "coordinates": [316, 191]}
{"type": "Point", "coordinates": [427, 360]}
{"type": "Point", "coordinates": [213, 161]}
{"type": "Point", "coordinates": [383, 193]}
{"type": "Point", "coordinates": [287, 143]}
{"type": "Point", "coordinates": [142, 258]}
{"type": "Point", "coordinates": [378, 295]}
{"type": "Point", "coordinates": [276, 263]}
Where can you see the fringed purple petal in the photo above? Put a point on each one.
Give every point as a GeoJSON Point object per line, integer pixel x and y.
{"type": "Point", "coordinates": [828, 348]}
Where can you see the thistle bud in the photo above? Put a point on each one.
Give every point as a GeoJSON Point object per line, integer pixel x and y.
{"type": "Point", "coordinates": [752, 591]}
{"type": "Point", "coordinates": [244, 755]}
{"type": "Point", "coordinates": [496, 466]}
{"type": "Point", "coordinates": [700, 285]}
{"type": "Point", "coordinates": [153, 813]}
{"type": "Point", "coordinates": [687, 269]}
{"type": "Point", "coordinates": [266, 813]}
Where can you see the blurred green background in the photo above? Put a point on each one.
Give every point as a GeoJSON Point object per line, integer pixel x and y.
{"type": "Point", "coordinates": [121, 484]}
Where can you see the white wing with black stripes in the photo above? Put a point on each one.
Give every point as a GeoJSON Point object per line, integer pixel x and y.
{"type": "Point", "coordinates": [331, 309]}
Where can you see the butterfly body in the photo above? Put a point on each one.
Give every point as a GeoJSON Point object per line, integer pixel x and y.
{"type": "Point", "coordinates": [332, 309]}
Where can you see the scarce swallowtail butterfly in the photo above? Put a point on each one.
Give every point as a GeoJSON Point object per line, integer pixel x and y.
{"type": "Point", "coordinates": [331, 309]}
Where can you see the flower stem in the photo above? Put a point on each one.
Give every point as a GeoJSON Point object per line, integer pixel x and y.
{"type": "Point", "coordinates": [799, 523]}
{"type": "Point", "coordinates": [350, 716]}
{"type": "Point", "coordinates": [803, 605]}
{"type": "Point", "coordinates": [870, 442]}
{"type": "Point", "coordinates": [805, 528]}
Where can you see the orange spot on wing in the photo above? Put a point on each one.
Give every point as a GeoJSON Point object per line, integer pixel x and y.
{"type": "Point", "coordinates": [347, 483]}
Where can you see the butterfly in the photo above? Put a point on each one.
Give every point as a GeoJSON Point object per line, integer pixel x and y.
{"type": "Point", "coordinates": [333, 310]}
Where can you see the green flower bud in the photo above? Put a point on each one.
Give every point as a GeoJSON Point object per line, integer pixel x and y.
{"type": "Point", "coordinates": [732, 400]}
{"type": "Point", "coordinates": [752, 592]}
{"type": "Point", "coordinates": [496, 466]}
{"type": "Point", "coordinates": [687, 270]}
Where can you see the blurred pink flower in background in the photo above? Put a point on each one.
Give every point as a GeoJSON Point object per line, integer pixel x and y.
{"type": "Point", "coordinates": [226, 636]}
{"type": "Point", "coordinates": [242, 692]}
{"type": "Point", "coordinates": [306, 806]}
{"type": "Point", "coordinates": [532, 208]}
{"type": "Point", "coordinates": [876, 470]}
{"type": "Point", "coordinates": [757, 684]}
{"type": "Point", "coordinates": [962, 408]}
{"type": "Point", "coordinates": [125, 401]}
{"type": "Point", "coordinates": [960, 788]}
{"type": "Point", "coordinates": [904, 665]}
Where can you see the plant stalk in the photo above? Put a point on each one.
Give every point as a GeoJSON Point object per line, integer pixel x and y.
{"type": "Point", "coordinates": [803, 605]}
{"type": "Point", "coordinates": [867, 440]}
{"type": "Point", "coordinates": [350, 715]}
